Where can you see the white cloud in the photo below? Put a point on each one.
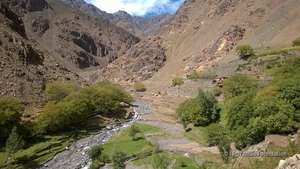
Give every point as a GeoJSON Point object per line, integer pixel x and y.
{"type": "Point", "coordinates": [137, 7]}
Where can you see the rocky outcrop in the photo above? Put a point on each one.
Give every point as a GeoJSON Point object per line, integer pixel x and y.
{"type": "Point", "coordinates": [290, 163]}
{"type": "Point", "coordinates": [86, 42]}
{"type": "Point", "coordinates": [40, 25]}
{"type": "Point", "coordinates": [139, 63]}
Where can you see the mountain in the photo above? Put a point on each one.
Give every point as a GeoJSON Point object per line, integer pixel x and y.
{"type": "Point", "coordinates": [139, 26]}
{"type": "Point", "coordinates": [48, 40]}
{"type": "Point", "coordinates": [204, 33]}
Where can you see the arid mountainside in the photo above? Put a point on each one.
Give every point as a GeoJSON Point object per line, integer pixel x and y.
{"type": "Point", "coordinates": [48, 40]}
{"type": "Point", "coordinates": [139, 26]}
{"type": "Point", "coordinates": [203, 33]}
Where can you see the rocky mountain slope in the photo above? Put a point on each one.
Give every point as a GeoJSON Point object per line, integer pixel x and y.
{"type": "Point", "coordinates": [204, 33]}
{"type": "Point", "coordinates": [139, 26]}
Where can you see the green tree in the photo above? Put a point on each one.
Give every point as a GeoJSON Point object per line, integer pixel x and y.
{"type": "Point", "coordinates": [58, 90]}
{"type": "Point", "coordinates": [119, 159]}
{"type": "Point", "coordinates": [200, 111]}
{"type": "Point", "coordinates": [245, 51]}
{"type": "Point", "coordinates": [238, 85]}
{"type": "Point", "coordinates": [11, 110]}
{"type": "Point", "coordinates": [14, 142]}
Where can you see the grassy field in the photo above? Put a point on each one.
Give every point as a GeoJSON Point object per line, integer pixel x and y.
{"type": "Point", "coordinates": [197, 134]}
{"type": "Point", "coordinates": [36, 154]}
{"type": "Point", "coordinates": [124, 143]}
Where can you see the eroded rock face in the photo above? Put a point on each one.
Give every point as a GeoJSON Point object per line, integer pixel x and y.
{"type": "Point", "coordinates": [16, 22]}
{"type": "Point", "coordinates": [40, 25]}
{"type": "Point", "coordinates": [36, 5]}
{"type": "Point", "coordinates": [84, 60]}
{"type": "Point", "coordinates": [86, 42]}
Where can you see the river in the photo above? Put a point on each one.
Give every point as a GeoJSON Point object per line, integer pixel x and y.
{"type": "Point", "coordinates": [76, 157]}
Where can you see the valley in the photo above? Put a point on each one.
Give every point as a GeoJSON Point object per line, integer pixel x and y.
{"type": "Point", "coordinates": [82, 88]}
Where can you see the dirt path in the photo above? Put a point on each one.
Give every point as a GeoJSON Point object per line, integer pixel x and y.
{"type": "Point", "coordinates": [161, 114]}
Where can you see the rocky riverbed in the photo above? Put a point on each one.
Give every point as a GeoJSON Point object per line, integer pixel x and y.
{"type": "Point", "coordinates": [76, 157]}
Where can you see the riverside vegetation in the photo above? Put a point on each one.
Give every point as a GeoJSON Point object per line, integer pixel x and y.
{"type": "Point", "coordinates": [27, 143]}
{"type": "Point", "coordinates": [252, 108]}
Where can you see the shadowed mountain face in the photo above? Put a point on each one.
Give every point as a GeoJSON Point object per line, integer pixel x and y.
{"type": "Point", "coordinates": [48, 40]}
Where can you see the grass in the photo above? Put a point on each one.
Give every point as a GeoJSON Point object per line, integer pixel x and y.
{"type": "Point", "coordinates": [124, 143]}
{"type": "Point", "coordinates": [197, 134]}
{"type": "Point", "coordinates": [36, 154]}
{"type": "Point", "coordinates": [267, 52]}
{"type": "Point", "coordinates": [181, 161]}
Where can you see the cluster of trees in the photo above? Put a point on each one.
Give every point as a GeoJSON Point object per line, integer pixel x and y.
{"type": "Point", "coordinates": [199, 111]}
{"type": "Point", "coordinates": [13, 133]}
{"type": "Point", "coordinates": [68, 107]}
{"type": "Point", "coordinates": [251, 109]}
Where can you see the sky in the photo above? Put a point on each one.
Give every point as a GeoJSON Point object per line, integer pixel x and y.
{"type": "Point", "coordinates": [138, 7]}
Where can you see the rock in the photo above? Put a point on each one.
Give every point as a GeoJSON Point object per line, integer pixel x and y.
{"type": "Point", "coordinates": [290, 163]}
{"type": "Point", "coordinates": [40, 25]}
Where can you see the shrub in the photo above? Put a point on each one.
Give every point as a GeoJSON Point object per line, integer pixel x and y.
{"type": "Point", "coordinates": [178, 81]}
{"type": "Point", "coordinates": [58, 90]}
{"type": "Point", "coordinates": [95, 152]}
{"type": "Point", "coordinates": [238, 111]}
{"type": "Point", "coordinates": [245, 51]}
{"type": "Point", "coordinates": [14, 142]}
{"type": "Point", "coordinates": [238, 85]}
{"type": "Point", "coordinates": [296, 42]}
{"type": "Point", "coordinates": [217, 91]}
{"type": "Point", "coordinates": [134, 132]}
{"type": "Point", "coordinates": [193, 76]}
{"type": "Point", "coordinates": [200, 111]}
{"type": "Point", "coordinates": [160, 161]}
{"type": "Point", "coordinates": [215, 134]}
{"type": "Point", "coordinates": [224, 148]}
{"type": "Point", "coordinates": [139, 87]}
{"type": "Point", "coordinates": [11, 110]}
{"type": "Point", "coordinates": [119, 160]}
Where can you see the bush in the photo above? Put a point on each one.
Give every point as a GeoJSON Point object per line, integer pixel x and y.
{"type": "Point", "coordinates": [58, 90]}
{"type": "Point", "coordinates": [178, 81]}
{"type": "Point", "coordinates": [139, 87]}
{"type": "Point", "coordinates": [193, 76]}
{"type": "Point", "coordinates": [245, 51]}
{"type": "Point", "coordinates": [160, 161]}
{"type": "Point", "coordinates": [95, 152]}
{"type": "Point", "coordinates": [296, 42]}
{"type": "Point", "coordinates": [200, 111]}
{"type": "Point", "coordinates": [238, 85]}
{"type": "Point", "coordinates": [134, 132]}
{"type": "Point", "coordinates": [215, 134]}
{"type": "Point", "coordinates": [11, 110]}
{"type": "Point", "coordinates": [119, 160]}
{"type": "Point", "coordinates": [14, 142]}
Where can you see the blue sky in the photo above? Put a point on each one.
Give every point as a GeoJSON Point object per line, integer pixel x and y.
{"type": "Point", "coordinates": [138, 7]}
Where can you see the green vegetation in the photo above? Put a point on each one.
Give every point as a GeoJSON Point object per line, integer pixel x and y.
{"type": "Point", "coordinates": [135, 133]}
{"type": "Point", "coordinates": [271, 52]}
{"type": "Point", "coordinates": [58, 90]}
{"type": "Point", "coordinates": [194, 76]}
{"type": "Point", "coordinates": [207, 74]}
{"type": "Point", "coordinates": [119, 159]}
{"type": "Point", "coordinates": [200, 111]}
{"type": "Point", "coordinates": [123, 142]}
{"type": "Point", "coordinates": [15, 141]}
{"type": "Point", "coordinates": [139, 87]}
{"type": "Point", "coordinates": [160, 161]}
{"type": "Point", "coordinates": [296, 42]}
{"type": "Point", "coordinates": [67, 111]}
{"type": "Point", "coordinates": [245, 51]}
{"type": "Point", "coordinates": [178, 81]}
{"type": "Point", "coordinates": [11, 111]}
{"type": "Point", "coordinates": [75, 109]}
